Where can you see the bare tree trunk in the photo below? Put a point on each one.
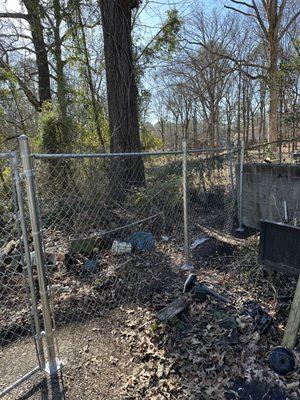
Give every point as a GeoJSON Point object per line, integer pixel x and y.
{"type": "Point", "coordinates": [176, 132]}
{"type": "Point", "coordinates": [41, 55]}
{"type": "Point", "coordinates": [195, 127]}
{"type": "Point", "coordinates": [273, 54]}
{"type": "Point", "coordinates": [64, 121]}
{"type": "Point", "coordinates": [121, 93]}
{"type": "Point", "coordinates": [37, 32]}
{"type": "Point", "coordinates": [239, 108]}
{"type": "Point", "coordinates": [89, 78]}
{"type": "Point", "coordinates": [162, 132]}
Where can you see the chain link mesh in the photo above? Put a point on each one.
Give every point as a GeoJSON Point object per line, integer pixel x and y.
{"type": "Point", "coordinates": [212, 190]}
{"type": "Point", "coordinates": [92, 209]}
{"type": "Point", "coordinates": [17, 347]}
{"type": "Point", "coordinates": [284, 153]}
{"type": "Point", "coordinates": [87, 204]}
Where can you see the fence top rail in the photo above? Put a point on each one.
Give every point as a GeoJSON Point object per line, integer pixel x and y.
{"type": "Point", "coordinates": [140, 154]}
{"type": "Point", "coordinates": [104, 155]}
{"type": "Point", "coordinates": [229, 149]}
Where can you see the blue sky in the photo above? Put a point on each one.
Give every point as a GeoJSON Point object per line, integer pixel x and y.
{"type": "Point", "coordinates": [155, 12]}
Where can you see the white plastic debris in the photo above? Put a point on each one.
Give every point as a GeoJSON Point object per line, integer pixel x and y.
{"type": "Point", "coordinates": [198, 242]}
{"type": "Point", "coordinates": [187, 267]}
{"type": "Point", "coordinates": [165, 238]}
{"type": "Point", "coordinates": [121, 247]}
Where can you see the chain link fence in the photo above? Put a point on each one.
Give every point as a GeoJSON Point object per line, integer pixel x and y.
{"type": "Point", "coordinates": [212, 189]}
{"type": "Point", "coordinates": [110, 232]}
{"type": "Point", "coordinates": [113, 235]}
{"type": "Point", "coordinates": [88, 214]}
{"type": "Point", "coordinates": [18, 350]}
{"type": "Point", "coordinates": [285, 151]}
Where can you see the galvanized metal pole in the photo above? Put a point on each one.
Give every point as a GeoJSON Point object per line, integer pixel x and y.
{"type": "Point", "coordinates": [185, 206]}
{"type": "Point", "coordinates": [52, 365]}
{"type": "Point", "coordinates": [29, 275]}
{"type": "Point", "coordinates": [240, 199]}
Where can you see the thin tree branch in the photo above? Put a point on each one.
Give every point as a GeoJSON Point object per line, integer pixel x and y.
{"type": "Point", "coordinates": [243, 3]}
{"type": "Point", "coordinates": [260, 21]}
{"type": "Point", "coordinates": [286, 28]}
{"type": "Point", "coordinates": [28, 93]}
{"type": "Point", "coordinates": [240, 11]}
{"type": "Point", "coordinates": [14, 15]}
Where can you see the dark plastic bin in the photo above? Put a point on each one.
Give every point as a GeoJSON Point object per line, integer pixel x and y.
{"type": "Point", "coordinates": [280, 247]}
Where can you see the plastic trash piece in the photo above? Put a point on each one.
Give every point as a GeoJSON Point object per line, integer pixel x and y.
{"type": "Point", "coordinates": [165, 238]}
{"type": "Point", "coordinates": [121, 247]}
{"type": "Point", "coordinates": [198, 242]}
{"type": "Point", "coordinates": [282, 360]}
{"type": "Point", "coordinates": [263, 321]}
{"type": "Point", "coordinates": [142, 241]}
{"type": "Point", "coordinates": [92, 263]}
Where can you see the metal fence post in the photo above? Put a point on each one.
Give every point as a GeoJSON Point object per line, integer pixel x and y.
{"type": "Point", "coordinates": [29, 275]}
{"type": "Point", "coordinates": [52, 365]}
{"type": "Point", "coordinates": [240, 199]}
{"type": "Point", "coordinates": [185, 206]}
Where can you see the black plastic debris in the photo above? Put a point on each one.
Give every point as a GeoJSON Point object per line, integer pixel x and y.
{"type": "Point", "coordinates": [263, 321]}
{"type": "Point", "coordinates": [282, 360]}
{"type": "Point", "coordinates": [200, 291]}
{"type": "Point", "coordinates": [254, 390]}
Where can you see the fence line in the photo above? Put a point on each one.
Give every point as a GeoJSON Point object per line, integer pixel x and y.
{"type": "Point", "coordinates": [88, 201]}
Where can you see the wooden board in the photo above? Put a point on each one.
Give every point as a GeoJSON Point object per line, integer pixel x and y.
{"type": "Point", "coordinates": [173, 309]}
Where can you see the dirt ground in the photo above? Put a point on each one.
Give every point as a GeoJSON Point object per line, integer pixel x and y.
{"type": "Point", "coordinates": [128, 354]}
{"type": "Point", "coordinates": [95, 363]}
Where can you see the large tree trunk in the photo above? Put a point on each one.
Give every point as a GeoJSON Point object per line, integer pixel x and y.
{"type": "Point", "coordinates": [41, 55]}
{"type": "Point", "coordinates": [65, 139]}
{"type": "Point", "coordinates": [122, 94]}
{"type": "Point", "coordinates": [273, 111]}
{"type": "Point", "coordinates": [162, 132]}
{"type": "Point", "coordinates": [239, 109]}
{"type": "Point", "coordinates": [44, 87]}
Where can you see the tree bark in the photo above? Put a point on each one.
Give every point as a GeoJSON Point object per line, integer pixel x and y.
{"type": "Point", "coordinates": [89, 79]}
{"type": "Point", "coordinates": [41, 55]}
{"type": "Point", "coordinates": [65, 122]}
{"type": "Point", "coordinates": [37, 32]}
{"type": "Point", "coordinates": [121, 94]}
{"type": "Point", "coordinates": [273, 54]}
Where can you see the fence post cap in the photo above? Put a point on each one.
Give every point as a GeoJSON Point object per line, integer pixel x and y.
{"type": "Point", "coordinates": [23, 137]}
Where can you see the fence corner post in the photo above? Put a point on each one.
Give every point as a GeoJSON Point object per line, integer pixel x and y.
{"type": "Point", "coordinates": [187, 265]}
{"type": "Point", "coordinates": [53, 364]}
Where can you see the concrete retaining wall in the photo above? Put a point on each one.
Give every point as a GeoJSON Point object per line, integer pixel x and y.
{"type": "Point", "coordinates": [265, 188]}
